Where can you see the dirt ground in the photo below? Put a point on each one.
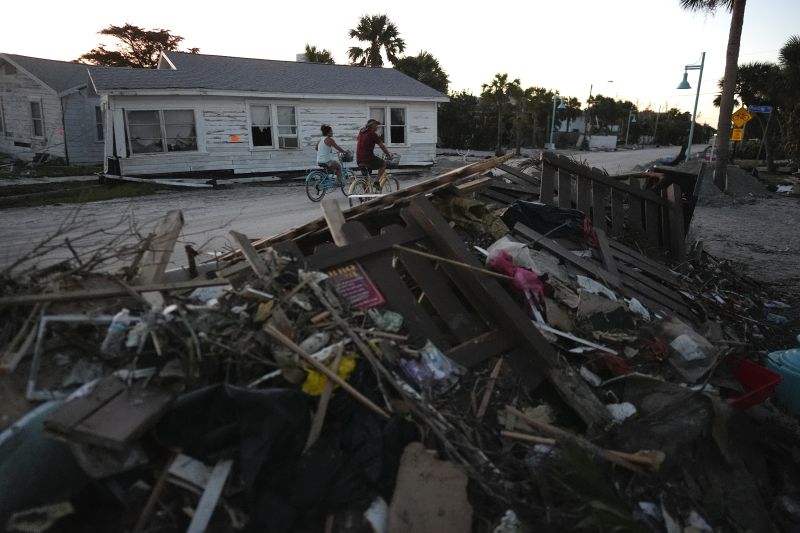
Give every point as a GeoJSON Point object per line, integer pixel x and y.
{"type": "Point", "coordinates": [754, 228]}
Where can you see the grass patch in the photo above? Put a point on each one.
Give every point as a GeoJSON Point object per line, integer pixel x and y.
{"type": "Point", "coordinates": [70, 193]}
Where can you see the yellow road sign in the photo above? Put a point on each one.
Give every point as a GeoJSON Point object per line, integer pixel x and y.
{"type": "Point", "coordinates": [737, 134]}
{"type": "Point", "coordinates": [741, 117]}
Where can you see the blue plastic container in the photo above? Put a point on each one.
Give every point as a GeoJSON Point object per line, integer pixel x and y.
{"type": "Point", "coordinates": [787, 364]}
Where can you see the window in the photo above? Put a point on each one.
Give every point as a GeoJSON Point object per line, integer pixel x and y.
{"type": "Point", "coordinates": [37, 121]}
{"type": "Point", "coordinates": [261, 125]}
{"type": "Point", "coordinates": [161, 131]}
{"type": "Point", "coordinates": [180, 132]}
{"type": "Point", "coordinates": [284, 132]}
{"type": "Point", "coordinates": [396, 124]}
{"type": "Point", "coordinates": [99, 130]}
{"type": "Point", "coordinates": [287, 127]}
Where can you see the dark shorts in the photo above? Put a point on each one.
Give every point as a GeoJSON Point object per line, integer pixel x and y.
{"type": "Point", "coordinates": [373, 163]}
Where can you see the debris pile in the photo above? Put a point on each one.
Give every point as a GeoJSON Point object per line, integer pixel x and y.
{"type": "Point", "coordinates": [426, 361]}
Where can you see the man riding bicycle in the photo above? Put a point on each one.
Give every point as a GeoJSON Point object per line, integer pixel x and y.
{"type": "Point", "coordinates": [365, 146]}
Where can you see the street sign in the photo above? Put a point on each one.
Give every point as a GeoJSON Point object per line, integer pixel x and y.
{"type": "Point", "coordinates": [741, 117]}
{"type": "Point", "coordinates": [737, 134]}
{"type": "Point", "coordinates": [760, 108]}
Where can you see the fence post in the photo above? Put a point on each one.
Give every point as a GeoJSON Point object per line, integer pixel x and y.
{"type": "Point", "coordinates": [677, 234]}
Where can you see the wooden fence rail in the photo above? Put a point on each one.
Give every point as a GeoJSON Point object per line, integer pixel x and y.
{"type": "Point", "coordinates": [655, 221]}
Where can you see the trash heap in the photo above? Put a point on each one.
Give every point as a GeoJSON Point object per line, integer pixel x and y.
{"type": "Point", "coordinates": [423, 362]}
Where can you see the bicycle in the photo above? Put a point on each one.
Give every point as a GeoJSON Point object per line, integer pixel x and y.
{"type": "Point", "coordinates": [321, 180]}
{"type": "Point", "coordinates": [366, 185]}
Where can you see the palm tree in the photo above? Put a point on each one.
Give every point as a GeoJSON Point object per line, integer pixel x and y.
{"type": "Point", "coordinates": [497, 93]}
{"type": "Point", "coordinates": [736, 7]}
{"type": "Point", "coordinates": [380, 33]}
{"type": "Point", "coordinates": [425, 68]}
{"type": "Point", "coordinates": [315, 55]}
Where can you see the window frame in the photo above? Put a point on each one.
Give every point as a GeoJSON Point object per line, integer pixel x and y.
{"type": "Point", "coordinates": [38, 102]}
{"type": "Point", "coordinates": [163, 129]}
{"type": "Point", "coordinates": [386, 125]}
{"type": "Point", "coordinates": [275, 135]}
{"type": "Point", "coordinates": [99, 124]}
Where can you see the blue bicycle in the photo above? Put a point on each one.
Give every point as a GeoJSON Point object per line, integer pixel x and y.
{"type": "Point", "coordinates": [320, 180]}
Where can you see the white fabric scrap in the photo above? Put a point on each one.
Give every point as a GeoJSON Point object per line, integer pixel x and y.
{"type": "Point", "coordinates": [590, 285]}
{"type": "Point", "coordinates": [687, 347]}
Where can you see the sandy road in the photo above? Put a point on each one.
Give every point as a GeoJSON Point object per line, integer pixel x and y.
{"type": "Point", "coordinates": [256, 211]}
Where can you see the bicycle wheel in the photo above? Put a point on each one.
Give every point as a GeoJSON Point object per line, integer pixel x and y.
{"type": "Point", "coordinates": [389, 184]}
{"type": "Point", "coordinates": [359, 186]}
{"type": "Point", "coordinates": [346, 182]}
{"type": "Point", "coordinates": [315, 185]}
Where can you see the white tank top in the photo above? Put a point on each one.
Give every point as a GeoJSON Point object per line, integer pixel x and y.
{"type": "Point", "coordinates": [324, 152]}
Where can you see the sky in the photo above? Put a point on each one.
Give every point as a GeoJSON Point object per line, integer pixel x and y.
{"type": "Point", "coordinates": [629, 49]}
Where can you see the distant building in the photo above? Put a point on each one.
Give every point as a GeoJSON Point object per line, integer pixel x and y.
{"type": "Point", "coordinates": [201, 113]}
{"type": "Point", "coordinates": [47, 111]}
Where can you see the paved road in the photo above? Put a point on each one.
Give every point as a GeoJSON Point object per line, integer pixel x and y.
{"type": "Point", "coordinates": [256, 211]}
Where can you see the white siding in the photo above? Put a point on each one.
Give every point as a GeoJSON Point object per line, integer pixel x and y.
{"type": "Point", "coordinates": [219, 119]}
{"type": "Point", "coordinates": [17, 91]}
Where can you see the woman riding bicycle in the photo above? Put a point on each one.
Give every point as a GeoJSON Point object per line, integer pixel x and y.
{"type": "Point", "coordinates": [325, 148]}
{"type": "Point", "coordinates": [365, 146]}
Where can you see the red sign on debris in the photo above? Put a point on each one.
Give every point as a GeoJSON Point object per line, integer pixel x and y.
{"type": "Point", "coordinates": [353, 284]}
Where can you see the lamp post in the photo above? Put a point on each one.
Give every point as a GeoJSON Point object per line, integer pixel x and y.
{"type": "Point", "coordinates": [631, 118]}
{"type": "Point", "coordinates": [684, 84]}
{"type": "Point", "coordinates": [551, 145]}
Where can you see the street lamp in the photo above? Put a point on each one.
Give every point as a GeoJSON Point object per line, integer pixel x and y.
{"type": "Point", "coordinates": [551, 145]}
{"type": "Point", "coordinates": [684, 84]}
{"type": "Point", "coordinates": [631, 118]}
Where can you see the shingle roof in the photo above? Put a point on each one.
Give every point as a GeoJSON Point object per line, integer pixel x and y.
{"type": "Point", "coordinates": [200, 71]}
{"type": "Point", "coordinates": [59, 75]}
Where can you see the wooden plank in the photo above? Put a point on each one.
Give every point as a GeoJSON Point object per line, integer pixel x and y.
{"type": "Point", "coordinates": [645, 264]}
{"type": "Point", "coordinates": [677, 224]}
{"type": "Point", "coordinates": [255, 261]}
{"type": "Point", "coordinates": [478, 349]}
{"type": "Point", "coordinates": [584, 195]}
{"type": "Point", "coordinates": [398, 296]}
{"type": "Point", "coordinates": [599, 193]}
{"type": "Point", "coordinates": [335, 219]}
{"type": "Point", "coordinates": [507, 315]}
{"type": "Point", "coordinates": [437, 290]}
{"type": "Point", "coordinates": [99, 294]}
{"type": "Point", "coordinates": [643, 290]}
{"type": "Point", "coordinates": [564, 189]}
{"type": "Point", "coordinates": [71, 413]}
{"type": "Point", "coordinates": [155, 260]}
{"type": "Point", "coordinates": [123, 419]}
{"type": "Point", "coordinates": [329, 255]}
{"type": "Point", "coordinates": [548, 182]}
{"type": "Point", "coordinates": [208, 501]}
{"type": "Point", "coordinates": [474, 185]}
{"type": "Point", "coordinates": [533, 180]}
{"type": "Point", "coordinates": [553, 247]}
{"type": "Point", "coordinates": [498, 183]}
{"type": "Point", "coordinates": [499, 197]}
{"type": "Point", "coordinates": [617, 213]}
{"type": "Point", "coordinates": [652, 216]}
{"type": "Point", "coordinates": [668, 293]}
{"type": "Point", "coordinates": [605, 253]}
{"type": "Point", "coordinates": [635, 221]}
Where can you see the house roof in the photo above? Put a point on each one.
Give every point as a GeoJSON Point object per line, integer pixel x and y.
{"type": "Point", "coordinates": [58, 75]}
{"type": "Point", "coordinates": [222, 73]}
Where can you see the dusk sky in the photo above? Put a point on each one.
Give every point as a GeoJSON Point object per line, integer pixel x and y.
{"type": "Point", "coordinates": [564, 45]}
